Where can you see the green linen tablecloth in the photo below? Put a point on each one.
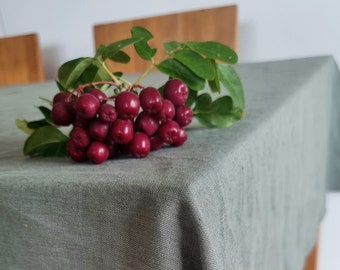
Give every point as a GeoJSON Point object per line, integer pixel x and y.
{"type": "Point", "coordinates": [248, 197]}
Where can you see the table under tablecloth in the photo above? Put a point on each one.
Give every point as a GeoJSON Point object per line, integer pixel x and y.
{"type": "Point", "coordinates": [248, 197]}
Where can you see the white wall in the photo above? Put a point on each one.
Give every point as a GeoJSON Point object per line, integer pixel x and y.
{"type": "Point", "coordinates": [269, 29]}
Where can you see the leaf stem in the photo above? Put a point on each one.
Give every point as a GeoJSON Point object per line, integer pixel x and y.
{"type": "Point", "coordinates": [113, 77]}
{"type": "Point", "coordinates": [143, 75]}
{"type": "Point", "coordinates": [146, 72]}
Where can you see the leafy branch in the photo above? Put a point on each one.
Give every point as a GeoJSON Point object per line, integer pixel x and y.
{"type": "Point", "coordinates": [196, 63]}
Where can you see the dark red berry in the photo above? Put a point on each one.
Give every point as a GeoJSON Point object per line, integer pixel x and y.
{"type": "Point", "coordinates": [97, 152]}
{"type": "Point", "coordinates": [60, 97]}
{"type": "Point", "coordinates": [151, 100]}
{"type": "Point", "coordinates": [80, 122]}
{"type": "Point", "coordinates": [146, 123]}
{"type": "Point", "coordinates": [99, 94]}
{"type": "Point", "coordinates": [71, 105]}
{"type": "Point", "coordinates": [184, 115]}
{"type": "Point", "coordinates": [181, 138]}
{"type": "Point", "coordinates": [127, 105]}
{"type": "Point", "coordinates": [176, 91]}
{"type": "Point", "coordinates": [167, 112]}
{"type": "Point", "coordinates": [78, 154]}
{"type": "Point", "coordinates": [61, 115]}
{"type": "Point", "coordinates": [113, 148]}
{"type": "Point", "coordinates": [87, 106]}
{"type": "Point", "coordinates": [98, 130]}
{"type": "Point", "coordinates": [169, 131]}
{"type": "Point", "coordinates": [156, 142]}
{"type": "Point", "coordinates": [80, 137]}
{"type": "Point", "coordinates": [124, 149]}
{"type": "Point", "coordinates": [140, 145]}
{"type": "Point", "coordinates": [121, 131]}
{"type": "Point", "coordinates": [107, 113]}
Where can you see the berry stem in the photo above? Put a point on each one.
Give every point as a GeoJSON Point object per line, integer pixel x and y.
{"type": "Point", "coordinates": [100, 83]}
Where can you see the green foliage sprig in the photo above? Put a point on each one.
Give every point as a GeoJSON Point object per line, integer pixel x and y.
{"type": "Point", "coordinates": [195, 63]}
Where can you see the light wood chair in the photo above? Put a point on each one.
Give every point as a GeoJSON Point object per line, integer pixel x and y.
{"type": "Point", "coordinates": [217, 24]}
{"type": "Point", "coordinates": [311, 262]}
{"type": "Point", "coordinates": [20, 60]}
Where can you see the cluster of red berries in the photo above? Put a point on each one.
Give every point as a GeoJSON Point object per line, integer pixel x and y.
{"type": "Point", "coordinates": [130, 123]}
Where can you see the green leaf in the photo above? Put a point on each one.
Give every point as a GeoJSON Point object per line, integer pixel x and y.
{"type": "Point", "coordinates": [118, 74]}
{"type": "Point", "coordinates": [176, 69]}
{"type": "Point", "coordinates": [222, 105]}
{"type": "Point", "coordinates": [42, 138]}
{"type": "Point", "coordinates": [46, 113]}
{"type": "Point", "coordinates": [218, 120]}
{"type": "Point", "coordinates": [204, 120]}
{"type": "Point", "coordinates": [191, 98]}
{"type": "Point", "coordinates": [51, 150]}
{"type": "Point", "coordinates": [60, 87]}
{"type": "Point", "coordinates": [214, 50]}
{"type": "Point", "coordinates": [214, 84]}
{"type": "Point", "coordinates": [226, 120]}
{"type": "Point", "coordinates": [142, 47]}
{"type": "Point", "coordinates": [196, 63]}
{"type": "Point", "coordinates": [102, 74]}
{"type": "Point", "coordinates": [22, 124]}
{"type": "Point", "coordinates": [69, 72]}
{"type": "Point", "coordinates": [214, 114]}
{"type": "Point", "coordinates": [120, 57]}
{"type": "Point", "coordinates": [141, 32]}
{"type": "Point", "coordinates": [112, 49]}
{"type": "Point", "coordinates": [231, 81]}
{"type": "Point", "coordinates": [101, 50]}
{"type": "Point", "coordinates": [37, 124]}
{"type": "Point", "coordinates": [89, 74]}
{"type": "Point", "coordinates": [172, 45]}
{"type": "Point", "coordinates": [223, 121]}
{"type": "Point", "coordinates": [203, 104]}
{"type": "Point", "coordinates": [49, 102]}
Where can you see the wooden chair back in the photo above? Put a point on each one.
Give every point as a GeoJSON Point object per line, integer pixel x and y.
{"type": "Point", "coordinates": [20, 60]}
{"type": "Point", "coordinates": [217, 24]}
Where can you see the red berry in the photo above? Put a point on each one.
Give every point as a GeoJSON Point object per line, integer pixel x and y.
{"type": "Point", "coordinates": [169, 131]}
{"type": "Point", "coordinates": [78, 154]}
{"type": "Point", "coordinates": [99, 94]}
{"type": "Point", "coordinates": [176, 91]}
{"type": "Point", "coordinates": [97, 152]}
{"type": "Point", "coordinates": [87, 106]}
{"type": "Point", "coordinates": [80, 137]}
{"type": "Point", "coordinates": [181, 138]}
{"type": "Point", "coordinates": [61, 115]}
{"type": "Point", "coordinates": [140, 145]}
{"type": "Point", "coordinates": [80, 122]}
{"type": "Point", "coordinates": [146, 123]}
{"type": "Point", "coordinates": [121, 131]}
{"type": "Point", "coordinates": [60, 97]}
{"type": "Point", "coordinates": [107, 113]}
{"type": "Point", "coordinates": [113, 148]}
{"type": "Point", "coordinates": [127, 105]}
{"type": "Point", "coordinates": [151, 100]}
{"type": "Point", "coordinates": [167, 112]}
{"type": "Point", "coordinates": [156, 142]}
{"type": "Point", "coordinates": [184, 115]}
{"type": "Point", "coordinates": [98, 130]}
